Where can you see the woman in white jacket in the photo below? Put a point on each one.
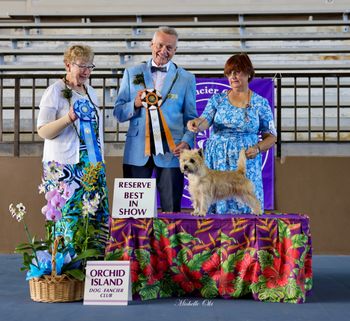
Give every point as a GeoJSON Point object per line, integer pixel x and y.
{"type": "Point", "coordinates": [71, 123]}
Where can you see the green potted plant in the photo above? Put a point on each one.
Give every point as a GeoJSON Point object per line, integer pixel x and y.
{"type": "Point", "coordinates": [56, 265]}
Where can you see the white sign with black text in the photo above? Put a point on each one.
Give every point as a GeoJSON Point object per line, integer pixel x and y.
{"type": "Point", "coordinates": [107, 283]}
{"type": "Point", "coordinates": [134, 197]}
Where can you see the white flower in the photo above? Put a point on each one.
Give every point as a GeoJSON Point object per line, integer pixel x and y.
{"type": "Point", "coordinates": [90, 206]}
{"type": "Point", "coordinates": [18, 212]}
{"type": "Point", "coordinates": [12, 210]}
{"type": "Point", "coordinates": [42, 188]}
{"type": "Point", "coordinates": [21, 207]}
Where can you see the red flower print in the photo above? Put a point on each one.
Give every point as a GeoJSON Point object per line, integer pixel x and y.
{"type": "Point", "coordinates": [155, 270]}
{"type": "Point", "coordinates": [163, 249]}
{"type": "Point", "coordinates": [125, 256]}
{"type": "Point", "coordinates": [278, 274]}
{"type": "Point", "coordinates": [213, 267]}
{"type": "Point", "coordinates": [287, 252]}
{"type": "Point", "coordinates": [226, 286]}
{"type": "Point", "coordinates": [134, 270]}
{"type": "Point", "coordinates": [248, 268]}
{"type": "Point", "coordinates": [308, 267]}
{"type": "Point", "coordinates": [188, 280]}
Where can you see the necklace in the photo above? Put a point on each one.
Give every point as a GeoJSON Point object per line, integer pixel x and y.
{"type": "Point", "coordinates": [245, 104]}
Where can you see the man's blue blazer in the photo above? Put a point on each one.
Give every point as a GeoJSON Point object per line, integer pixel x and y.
{"type": "Point", "coordinates": [178, 109]}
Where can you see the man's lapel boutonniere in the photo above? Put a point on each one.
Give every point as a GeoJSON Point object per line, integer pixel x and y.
{"type": "Point", "coordinates": [139, 80]}
{"type": "Point", "coordinates": [172, 96]}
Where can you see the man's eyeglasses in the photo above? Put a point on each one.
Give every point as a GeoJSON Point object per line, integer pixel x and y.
{"type": "Point", "coordinates": [90, 67]}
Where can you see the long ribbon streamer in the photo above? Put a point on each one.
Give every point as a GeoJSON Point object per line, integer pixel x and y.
{"type": "Point", "coordinates": [86, 113]}
{"type": "Point", "coordinates": [152, 101]}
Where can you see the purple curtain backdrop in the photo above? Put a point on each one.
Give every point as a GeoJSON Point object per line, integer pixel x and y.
{"type": "Point", "coordinates": [205, 88]}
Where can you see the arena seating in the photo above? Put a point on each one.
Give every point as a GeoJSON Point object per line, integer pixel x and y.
{"type": "Point", "coordinates": [307, 52]}
{"type": "Point", "coordinates": [292, 40]}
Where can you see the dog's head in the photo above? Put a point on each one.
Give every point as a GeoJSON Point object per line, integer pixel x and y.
{"type": "Point", "coordinates": [191, 161]}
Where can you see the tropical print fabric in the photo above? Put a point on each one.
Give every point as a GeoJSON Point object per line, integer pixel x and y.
{"type": "Point", "coordinates": [235, 129]}
{"type": "Point", "coordinates": [90, 194]}
{"type": "Point", "coordinates": [268, 257]}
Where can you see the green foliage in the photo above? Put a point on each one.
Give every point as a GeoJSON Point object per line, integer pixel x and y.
{"type": "Point", "coordinates": [255, 287]}
{"type": "Point", "coordinates": [209, 289]}
{"type": "Point", "coordinates": [181, 238]}
{"type": "Point", "coordinates": [198, 259]}
{"type": "Point", "coordinates": [283, 230]}
{"type": "Point", "coordinates": [28, 251]}
{"type": "Point", "coordinates": [299, 240]}
{"type": "Point", "coordinates": [166, 288]}
{"type": "Point", "coordinates": [241, 287]}
{"type": "Point", "coordinates": [272, 295]}
{"type": "Point", "coordinates": [229, 264]}
{"type": "Point", "coordinates": [76, 273]}
{"type": "Point", "coordinates": [150, 291]}
{"type": "Point", "coordinates": [143, 256]}
{"type": "Point", "coordinates": [265, 259]}
{"type": "Point", "coordinates": [301, 261]}
{"type": "Point", "coordinates": [182, 256]}
{"type": "Point", "coordinates": [67, 93]}
{"type": "Point", "coordinates": [291, 290]}
{"type": "Point", "coordinates": [139, 80]}
{"type": "Point", "coordinates": [160, 229]}
{"type": "Point", "coordinates": [115, 255]}
{"type": "Point", "coordinates": [225, 238]}
{"type": "Point", "coordinates": [308, 284]}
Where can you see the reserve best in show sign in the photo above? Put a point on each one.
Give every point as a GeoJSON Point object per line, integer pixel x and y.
{"type": "Point", "coordinates": [134, 197]}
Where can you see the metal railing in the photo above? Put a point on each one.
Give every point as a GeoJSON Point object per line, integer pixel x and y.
{"type": "Point", "coordinates": [309, 107]}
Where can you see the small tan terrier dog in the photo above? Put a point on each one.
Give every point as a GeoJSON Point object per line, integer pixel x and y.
{"type": "Point", "coordinates": [207, 186]}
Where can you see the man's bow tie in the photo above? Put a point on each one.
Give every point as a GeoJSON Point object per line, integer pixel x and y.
{"type": "Point", "coordinates": [161, 69]}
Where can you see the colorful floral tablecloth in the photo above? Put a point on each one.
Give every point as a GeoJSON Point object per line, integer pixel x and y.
{"type": "Point", "coordinates": [229, 256]}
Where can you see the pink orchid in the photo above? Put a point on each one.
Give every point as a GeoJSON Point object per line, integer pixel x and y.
{"type": "Point", "coordinates": [57, 201]}
{"type": "Point", "coordinates": [53, 214]}
{"type": "Point", "coordinates": [51, 194]}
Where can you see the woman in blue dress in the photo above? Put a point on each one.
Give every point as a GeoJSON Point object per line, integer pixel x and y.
{"type": "Point", "coordinates": [74, 180]}
{"type": "Point", "coordinates": [237, 118]}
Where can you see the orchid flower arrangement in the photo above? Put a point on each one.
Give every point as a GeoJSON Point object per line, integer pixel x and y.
{"type": "Point", "coordinates": [37, 253]}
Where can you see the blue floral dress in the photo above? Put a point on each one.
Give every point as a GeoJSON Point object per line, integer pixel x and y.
{"type": "Point", "coordinates": [88, 182]}
{"type": "Point", "coordinates": [234, 128]}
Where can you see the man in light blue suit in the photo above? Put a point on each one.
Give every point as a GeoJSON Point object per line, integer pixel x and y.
{"type": "Point", "coordinates": [178, 89]}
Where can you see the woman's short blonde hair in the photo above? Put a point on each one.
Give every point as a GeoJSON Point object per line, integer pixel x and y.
{"type": "Point", "coordinates": [76, 52]}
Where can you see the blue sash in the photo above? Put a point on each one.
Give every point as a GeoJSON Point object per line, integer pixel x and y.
{"type": "Point", "coordinates": [86, 112]}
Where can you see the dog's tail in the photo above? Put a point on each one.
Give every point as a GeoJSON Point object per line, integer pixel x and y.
{"type": "Point", "coordinates": [241, 164]}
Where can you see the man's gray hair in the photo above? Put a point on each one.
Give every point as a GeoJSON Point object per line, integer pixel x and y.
{"type": "Point", "coordinates": [167, 30]}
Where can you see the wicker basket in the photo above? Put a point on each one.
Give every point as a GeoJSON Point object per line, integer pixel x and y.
{"type": "Point", "coordinates": [56, 288]}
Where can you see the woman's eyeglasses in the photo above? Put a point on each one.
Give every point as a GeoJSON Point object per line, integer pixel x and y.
{"type": "Point", "coordinates": [234, 74]}
{"type": "Point", "coordinates": [84, 67]}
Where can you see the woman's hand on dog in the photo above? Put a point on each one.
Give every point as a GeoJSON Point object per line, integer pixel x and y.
{"type": "Point", "coordinates": [252, 152]}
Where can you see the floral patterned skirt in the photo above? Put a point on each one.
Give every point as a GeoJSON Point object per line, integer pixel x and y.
{"type": "Point", "coordinates": [86, 199]}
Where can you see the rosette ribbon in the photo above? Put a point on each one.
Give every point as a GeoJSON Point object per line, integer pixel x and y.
{"type": "Point", "coordinates": [86, 112]}
{"type": "Point", "coordinates": [152, 101]}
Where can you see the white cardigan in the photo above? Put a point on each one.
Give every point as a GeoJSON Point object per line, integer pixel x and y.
{"type": "Point", "coordinates": [64, 148]}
